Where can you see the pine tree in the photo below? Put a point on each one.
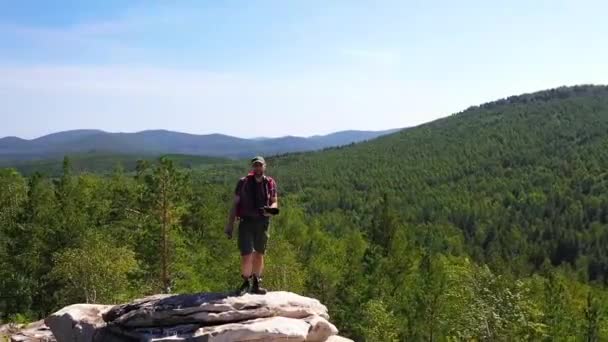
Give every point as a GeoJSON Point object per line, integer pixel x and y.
{"type": "Point", "coordinates": [164, 198]}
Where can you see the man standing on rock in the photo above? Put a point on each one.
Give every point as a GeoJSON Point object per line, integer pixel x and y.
{"type": "Point", "coordinates": [255, 200]}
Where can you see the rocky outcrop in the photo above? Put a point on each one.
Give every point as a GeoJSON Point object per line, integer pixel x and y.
{"type": "Point", "coordinates": [78, 322]}
{"type": "Point", "coordinates": [204, 317]}
{"type": "Point", "coordinates": [212, 308]}
{"type": "Point", "coordinates": [261, 329]}
{"type": "Point", "coordinates": [36, 331]}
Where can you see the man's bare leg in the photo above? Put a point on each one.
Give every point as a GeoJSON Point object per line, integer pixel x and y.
{"type": "Point", "coordinates": [247, 265]}
{"type": "Point", "coordinates": [258, 263]}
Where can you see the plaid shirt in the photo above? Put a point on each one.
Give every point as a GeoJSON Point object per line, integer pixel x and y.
{"type": "Point", "coordinates": [251, 199]}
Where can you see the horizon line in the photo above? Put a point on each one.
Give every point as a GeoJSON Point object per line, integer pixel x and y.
{"type": "Point", "coordinates": [198, 134]}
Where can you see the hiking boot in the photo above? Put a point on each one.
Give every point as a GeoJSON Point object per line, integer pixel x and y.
{"type": "Point", "coordinates": [256, 286]}
{"type": "Point", "coordinates": [245, 287]}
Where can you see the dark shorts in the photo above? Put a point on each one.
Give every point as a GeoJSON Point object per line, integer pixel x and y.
{"type": "Point", "coordinates": [253, 235]}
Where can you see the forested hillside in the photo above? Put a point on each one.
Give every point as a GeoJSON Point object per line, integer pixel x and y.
{"type": "Point", "coordinates": [525, 179]}
{"type": "Point", "coordinates": [490, 224]}
{"type": "Point", "coordinates": [101, 163]}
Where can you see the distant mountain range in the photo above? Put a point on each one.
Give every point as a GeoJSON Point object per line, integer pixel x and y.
{"type": "Point", "coordinates": [157, 142]}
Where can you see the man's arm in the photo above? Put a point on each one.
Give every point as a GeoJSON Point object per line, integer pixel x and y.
{"type": "Point", "coordinates": [232, 213]}
{"type": "Point", "coordinates": [232, 216]}
{"type": "Point", "coordinates": [274, 201]}
{"type": "Point", "coordinates": [274, 197]}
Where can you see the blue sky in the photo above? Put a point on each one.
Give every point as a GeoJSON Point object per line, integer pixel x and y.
{"type": "Point", "coordinates": [274, 68]}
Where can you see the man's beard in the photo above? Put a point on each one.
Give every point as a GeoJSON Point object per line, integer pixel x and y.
{"type": "Point", "coordinates": [258, 173]}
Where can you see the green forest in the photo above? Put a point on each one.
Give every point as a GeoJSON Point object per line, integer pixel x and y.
{"type": "Point", "coordinates": [487, 225]}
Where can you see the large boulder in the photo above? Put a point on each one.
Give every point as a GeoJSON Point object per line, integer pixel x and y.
{"type": "Point", "coordinates": [212, 308]}
{"type": "Point", "coordinates": [78, 322]}
{"type": "Point", "coordinates": [314, 328]}
{"type": "Point", "coordinates": [203, 317]}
